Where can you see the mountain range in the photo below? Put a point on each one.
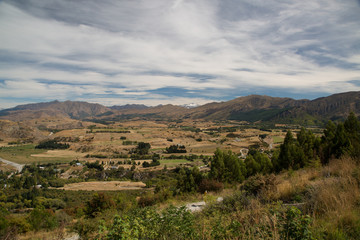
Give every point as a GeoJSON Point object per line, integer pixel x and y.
{"type": "Point", "coordinates": [249, 108]}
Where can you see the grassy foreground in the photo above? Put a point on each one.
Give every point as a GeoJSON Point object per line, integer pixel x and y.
{"type": "Point", "coordinates": [322, 203]}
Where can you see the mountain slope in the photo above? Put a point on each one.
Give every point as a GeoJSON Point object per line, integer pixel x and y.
{"type": "Point", "coordinates": [129, 107]}
{"type": "Point", "coordinates": [250, 108]}
{"type": "Point", "coordinates": [70, 109]}
{"type": "Point", "coordinates": [337, 106]}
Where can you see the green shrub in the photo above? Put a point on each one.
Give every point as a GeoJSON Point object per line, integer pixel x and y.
{"type": "Point", "coordinates": [98, 204]}
{"type": "Point", "coordinates": [20, 224]}
{"type": "Point", "coordinates": [57, 183]}
{"type": "Point", "coordinates": [85, 228]}
{"type": "Point", "coordinates": [295, 225]}
{"type": "Point", "coordinates": [172, 223]}
{"type": "Point", "coordinates": [41, 218]}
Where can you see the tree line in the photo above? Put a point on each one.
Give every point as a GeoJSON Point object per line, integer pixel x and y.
{"type": "Point", "coordinates": [304, 150]}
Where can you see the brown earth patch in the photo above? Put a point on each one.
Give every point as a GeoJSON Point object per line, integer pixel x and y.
{"type": "Point", "coordinates": [59, 153]}
{"type": "Point", "coordinates": [104, 186]}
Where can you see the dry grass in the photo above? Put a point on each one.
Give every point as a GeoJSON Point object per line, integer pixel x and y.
{"type": "Point", "coordinates": [332, 196]}
{"type": "Point", "coordinates": [255, 222]}
{"type": "Point", "coordinates": [6, 167]}
{"type": "Point", "coordinates": [338, 191]}
{"type": "Point", "coordinates": [104, 186]}
{"type": "Point", "coordinates": [289, 184]}
{"type": "Point", "coordinates": [328, 191]}
{"type": "Point", "coordinates": [58, 153]}
{"type": "Point", "coordinates": [58, 234]}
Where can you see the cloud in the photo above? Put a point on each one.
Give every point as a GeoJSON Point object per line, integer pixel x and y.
{"type": "Point", "coordinates": [126, 51]}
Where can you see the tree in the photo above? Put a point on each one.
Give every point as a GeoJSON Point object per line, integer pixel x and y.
{"type": "Point", "coordinates": [41, 218]}
{"type": "Point", "coordinates": [291, 154]}
{"type": "Point", "coordinates": [252, 166]}
{"type": "Point", "coordinates": [328, 142]}
{"type": "Point", "coordinates": [98, 204]}
{"type": "Point", "coordinates": [186, 181]}
{"type": "Point", "coordinates": [341, 139]}
{"type": "Point", "coordinates": [227, 167]}
{"type": "Point", "coordinates": [285, 155]}
{"type": "Point", "coordinates": [352, 128]}
{"type": "Point", "coordinates": [176, 149]}
{"type": "Point", "coordinates": [217, 165]}
{"type": "Point", "coordinates": [142, 148]}
{"type": "Point", "coordinates": [310, 145]}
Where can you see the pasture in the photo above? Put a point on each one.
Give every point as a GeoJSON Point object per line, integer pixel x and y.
{"type": "Point", "coordinates": [104, 186]}
{"type": "Point", "coordinates": [27, 154]}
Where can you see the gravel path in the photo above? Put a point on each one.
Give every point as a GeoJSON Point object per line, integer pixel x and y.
{"type": "Point", "coordinates": [18, 167]}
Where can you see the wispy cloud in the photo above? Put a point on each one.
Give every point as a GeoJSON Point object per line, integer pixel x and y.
{"type": "Point", "coordinates": [116, 52]}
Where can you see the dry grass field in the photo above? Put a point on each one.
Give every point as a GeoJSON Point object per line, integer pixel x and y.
{"type": "Point", "coordinates": [198, 137]}
{"type": "Point", "coordinates": [104, 186]}
{"type": "Point", "coordinates": [6, 167]}
{"type": "Point", "coordinates": [58, 154]}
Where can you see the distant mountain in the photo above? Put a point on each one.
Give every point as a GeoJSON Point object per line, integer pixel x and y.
{"type": "Point", "coordinates": [250, 108]}
{"type": "Point", "coordinates": [70, 109]}
{"type": "Point", "coordinates": [168, 111]}
{"type": "Point", "coordinates": [334, 107]}
{"type": "Point", "coordinates": [130, 107]}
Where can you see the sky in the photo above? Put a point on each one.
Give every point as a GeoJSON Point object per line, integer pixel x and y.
{"type": "Point", "coordinates": [117, 52]}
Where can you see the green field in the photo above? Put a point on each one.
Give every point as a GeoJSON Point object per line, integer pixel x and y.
{"type": "Point", "coordinates": [22, 154]}
{"type": "Point", "coordinates": [278, 139]}
{"type": "Point", "coordinates": [173, 162]}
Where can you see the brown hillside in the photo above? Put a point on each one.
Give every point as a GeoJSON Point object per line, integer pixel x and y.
{"type": "Point", "coordinates": [67, 109]}
{"type": "Point", "coordinates": [223, 110]}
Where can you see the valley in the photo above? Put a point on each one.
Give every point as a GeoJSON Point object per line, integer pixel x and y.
{"type": "Point", "coordinates": [87, 176]}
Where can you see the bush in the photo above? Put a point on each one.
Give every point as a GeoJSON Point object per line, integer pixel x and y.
{"type": "Point", "coordinates": [153, 163]}
{"type": "Point", "coordinates": [20, 224]}
{"type": "Point", "coordinates": [95, 165]}
{"type": "Point", "coordinates": [98, 204]}
{"type": "Point", "coordinates": [210, 185]}
{"type": "Point", "coordinates": [54, 203]}
{"type": "Point", "coordinates": [147, 200]}
{"type": "Point", "coordinates": [295, 225]}
{"type": "Point", "coordinates": [57, 183]}
{"type": "Point", "coordinates": [85, 228]}
{"type": "Point", "coordinates": [255, 184]}
{"type": "Point", "coordinates": [41, 218]}
{"type": "Point", "coordinates": [176, 149]}
{"type": "Point", "coordinates": [172, 223]}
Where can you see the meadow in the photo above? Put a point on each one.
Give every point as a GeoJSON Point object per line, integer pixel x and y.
{"type": "Point", "coordinates": [27, 154]}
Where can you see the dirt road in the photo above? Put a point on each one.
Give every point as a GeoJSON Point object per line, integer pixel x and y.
{"type": "Point", "coordinates": [18, 167]}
